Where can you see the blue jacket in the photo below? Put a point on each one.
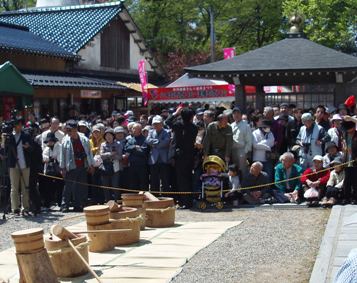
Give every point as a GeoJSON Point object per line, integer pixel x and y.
{"type": "Point", "coordinates": [280, 175]}
{"type": "Point", "coordinates": [159, 146]}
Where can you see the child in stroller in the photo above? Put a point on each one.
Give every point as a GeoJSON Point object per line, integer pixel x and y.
{"type": "Point", "coordinates": [212, 182]}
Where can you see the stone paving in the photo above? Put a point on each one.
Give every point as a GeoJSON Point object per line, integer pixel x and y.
{"type": "Point", "coordinates": [339, 238]}
{"type": "Point", "coordinates": [158, 257]}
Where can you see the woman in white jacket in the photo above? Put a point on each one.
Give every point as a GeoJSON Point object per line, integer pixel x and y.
{"type": "Point", "coordinates": [50, 158]}
{"type": "Point", "coordinates": [263, 142]}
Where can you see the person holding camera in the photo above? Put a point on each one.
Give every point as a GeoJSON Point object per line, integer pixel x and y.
{"type": "Point", "coordinates": [50, 157]}
{"type": "Point", "coordinates": [18, 148]}
{"type": "Point", "coordinates": [310, 139]}
{"type": "Point", "coordinates": [76, 160]}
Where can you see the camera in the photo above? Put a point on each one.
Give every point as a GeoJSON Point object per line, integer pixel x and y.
{"type": "Point", "coordinates": [306, 147]}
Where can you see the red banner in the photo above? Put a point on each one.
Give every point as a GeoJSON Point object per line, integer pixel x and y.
{"type": "Point", "coordinates": [192, 92]}
{"type": "Point", "coordinates": [143, 80]}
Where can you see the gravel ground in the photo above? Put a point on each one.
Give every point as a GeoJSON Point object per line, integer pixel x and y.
{"type": "Point", "coordinates": [44, 220]}
{"type": "Point", "coordinates": [271, 245]}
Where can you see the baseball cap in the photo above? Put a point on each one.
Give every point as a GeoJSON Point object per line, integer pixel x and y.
{"type": "Point", "coordinates": [71, 124]}
{"type": "Point", "coordinates": [119, 129]}
{"type": "Point", "coordinates": [157, 119]}
{"type": "Point", "coordinates": [318, 158]}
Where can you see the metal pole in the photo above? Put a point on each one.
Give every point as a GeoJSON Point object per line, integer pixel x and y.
{"type": "Point", "coordinates": [212, 34]}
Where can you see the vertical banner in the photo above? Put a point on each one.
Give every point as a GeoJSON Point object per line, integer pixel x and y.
{"type": "Point", "coordinates": [144, 81]}
{"type": "Point", "coordinates": [229, 53]}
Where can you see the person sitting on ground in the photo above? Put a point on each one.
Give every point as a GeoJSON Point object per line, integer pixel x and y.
{"type": "Point", "coordinates": [314, 181]}
{"type": "Point", "coordinates": [335, 183]}
{"type": "Point", "coordinates": [233, 176]}
{"type": "Point", "coordinates": [288, 169]}
{"type": "Point", "coordinates": [255, 178]}
{"type": "Point", "coordinates": [331, 154]}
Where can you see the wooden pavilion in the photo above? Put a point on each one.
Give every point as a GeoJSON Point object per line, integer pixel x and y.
{"type": "Point", "coordinates": [320, 75]}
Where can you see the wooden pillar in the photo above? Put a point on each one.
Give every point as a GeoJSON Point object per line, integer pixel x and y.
{"type": "Point", "coordinates": [260, 98]}
{"type": "Point", "coordinates": [340, 93]}
{"type": "Point", "coordinates": [240, 98]}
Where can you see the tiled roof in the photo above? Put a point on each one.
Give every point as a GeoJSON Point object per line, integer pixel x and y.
{"type": "Point", "coordinates": [20, 39]}
{"type": "Point", "coordinates": [70, 27]}
{"type": "Point", "coordinates": [63, 80]}
{"type": "Point", "coordinates": [287, 54]}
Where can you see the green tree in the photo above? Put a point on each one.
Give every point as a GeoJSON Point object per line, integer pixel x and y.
{"type": "Point", "coordinates": [332, 23]}
{"type": "Point", "coordinates": [9, 5]}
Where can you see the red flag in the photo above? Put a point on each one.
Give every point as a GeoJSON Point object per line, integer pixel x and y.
{"type": "Point", "coordinates": [350, 101]}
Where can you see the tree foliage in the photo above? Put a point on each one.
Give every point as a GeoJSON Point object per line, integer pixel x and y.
{"type": "Point", "coordinates": [332, 23]}
{"type": "Point", "coordinates": [9, 5]}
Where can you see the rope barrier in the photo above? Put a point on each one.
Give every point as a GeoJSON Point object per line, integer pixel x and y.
{"type": "Point", "coordinates": [193, 193]}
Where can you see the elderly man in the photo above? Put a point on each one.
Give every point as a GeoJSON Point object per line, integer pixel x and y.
{"type": "Point", "coordinates": [287, 169]}
{"type": "Point", "coordinates": [242, 141]}
{"type": "Point", "coordinates": [158, 140]}
{"type": "Point", "coordinates": [54, 128]}
{"type": "Point", "coordinates": [255, 177]}
{"type": "Point", "coordinates": [219, 138]}
{"type": "Point", "coordinates": [310, 139]}
{"type": "Point", "coordinates": [76, 160]}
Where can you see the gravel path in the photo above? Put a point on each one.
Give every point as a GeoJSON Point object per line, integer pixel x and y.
{"type": "Point", "coordinates": [271, 245]}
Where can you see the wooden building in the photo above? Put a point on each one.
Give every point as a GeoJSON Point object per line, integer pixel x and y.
{"type": "Point", "coordinates": [89, 50]}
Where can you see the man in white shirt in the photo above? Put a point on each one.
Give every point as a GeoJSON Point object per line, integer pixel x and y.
{"type": "Point", "coordinates": [54, 128]}
{"type": "Point", "coordinates": [263, 141]}
{"type": "Point", "coordinates": [242, 141]}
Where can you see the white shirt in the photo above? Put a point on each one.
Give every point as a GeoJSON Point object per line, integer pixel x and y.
{"type": "Point", "coordinates": [58, 134]}
{"type": "Point", "coordinates": [262, 142]}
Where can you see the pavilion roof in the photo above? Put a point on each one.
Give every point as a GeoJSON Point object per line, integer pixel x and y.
{"type": "Point", "coordinates": [290, 54]}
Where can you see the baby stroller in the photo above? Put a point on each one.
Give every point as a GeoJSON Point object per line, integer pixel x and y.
{"type": "Point", "coordinates": [212, 182]}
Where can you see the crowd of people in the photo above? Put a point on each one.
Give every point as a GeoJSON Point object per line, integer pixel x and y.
{"type": "Point", "coordinates": [282, 154]}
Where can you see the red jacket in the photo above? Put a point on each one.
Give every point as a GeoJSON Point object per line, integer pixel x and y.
{"type": "Point", "coordinates": [322, 175]}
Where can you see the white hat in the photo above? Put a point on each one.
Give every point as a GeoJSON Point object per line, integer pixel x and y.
{"type": "Point", "coordinates": [95, 128]}
{"type": "Point", "coordinates": [336, 117]}
{"type": "Point", "coordinates": [82, 123]}
{"type": "Point", "coordinates": [157, 120]}
{"type": "Point", "coordinates": [318, 158]}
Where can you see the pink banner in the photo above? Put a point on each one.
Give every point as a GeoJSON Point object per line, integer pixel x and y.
{"type": "Point", "coordinates": [229, 53]}
{"type": "Point", "coordinates": [144, 81]}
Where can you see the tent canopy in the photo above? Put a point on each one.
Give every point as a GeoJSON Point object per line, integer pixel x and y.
{"type": "Point", "coordinates": [13, 82]}
{"type": "Point", "coordinates": [185, 80]}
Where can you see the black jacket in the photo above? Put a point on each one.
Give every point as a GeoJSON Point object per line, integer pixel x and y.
{"type": "Point", "coordinates": [11, 150]}
{"type": "Point", "coordinates": [184, 137]}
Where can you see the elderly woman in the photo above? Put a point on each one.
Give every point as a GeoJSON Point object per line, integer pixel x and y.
{"type": "Point", "coordinates": [287, 169]}
{"type": "Point", "coordinates": [310, 139]}
{"type": "Point", "coordinates": [314, 181]}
